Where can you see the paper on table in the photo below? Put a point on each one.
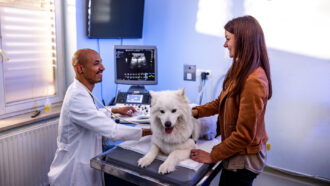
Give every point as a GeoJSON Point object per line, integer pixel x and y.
{"type": "Point", "coordinates": [143, 145]}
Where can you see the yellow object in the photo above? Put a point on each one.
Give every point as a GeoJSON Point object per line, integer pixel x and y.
{"type": "Point", "coordinates": [48, 108]}
{"type": "Point", "coordinates": [48, 105]}
{"type": "Point", "coordinates": [268, 147]}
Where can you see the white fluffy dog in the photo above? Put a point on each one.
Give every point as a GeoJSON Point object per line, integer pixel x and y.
{"type": "Point", "coordinates": [174, 130]}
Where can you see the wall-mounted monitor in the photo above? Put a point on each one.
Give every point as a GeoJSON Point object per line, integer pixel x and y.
{"type": "Point", "coordinates": [115, 18]}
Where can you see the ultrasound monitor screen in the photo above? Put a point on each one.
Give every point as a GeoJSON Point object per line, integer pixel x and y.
{"type": "Point", "coordinates": [135, 65]}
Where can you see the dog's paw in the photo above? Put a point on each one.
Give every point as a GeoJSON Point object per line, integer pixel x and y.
{"type": "Point", "coordinates": [145, 161]}
{"type": "Point", "coordinates": [166, 168]}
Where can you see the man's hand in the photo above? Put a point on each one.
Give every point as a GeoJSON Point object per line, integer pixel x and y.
{"type": "Point", "coordinates": [126, 111]}
{"type": "Point", "coordinates": [200, 156]}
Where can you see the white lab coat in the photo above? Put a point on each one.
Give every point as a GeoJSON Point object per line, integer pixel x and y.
{"type": "Point", "coordinates": [80, 131]}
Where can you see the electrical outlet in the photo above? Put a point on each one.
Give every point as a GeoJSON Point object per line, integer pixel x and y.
{"type": "Point", "coordinates": [189, 72]}
{"type": "Point", "coordinates": [199, 72]}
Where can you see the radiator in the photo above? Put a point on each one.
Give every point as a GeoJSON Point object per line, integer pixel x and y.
{"type": "Point", "coordinates": [26, 154]}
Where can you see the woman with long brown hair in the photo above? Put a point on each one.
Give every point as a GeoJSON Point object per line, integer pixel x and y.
{"type": "Point", "coordinates": [240, 106]}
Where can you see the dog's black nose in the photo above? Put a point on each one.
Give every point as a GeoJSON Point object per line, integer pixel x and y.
{"type": "Point", "coordinates": [168, 124]}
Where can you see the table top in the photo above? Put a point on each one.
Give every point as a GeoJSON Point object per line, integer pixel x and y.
{"type": "Point", "coordinates": [122, 163]}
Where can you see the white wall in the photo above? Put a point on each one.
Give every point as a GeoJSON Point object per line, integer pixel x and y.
{"type": "Point", "coordinates": [298, 115]}
{"type": "Point", "coordinates": [70, 37]}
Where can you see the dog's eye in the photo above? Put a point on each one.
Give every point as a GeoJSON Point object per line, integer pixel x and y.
{"type": "Point", "coordinates": [173, 110]}
{"type": "Point", "coordinates": [161, 111]}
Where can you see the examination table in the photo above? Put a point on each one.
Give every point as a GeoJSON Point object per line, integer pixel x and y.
{"type": "Point", "coordinates": [122, 163]}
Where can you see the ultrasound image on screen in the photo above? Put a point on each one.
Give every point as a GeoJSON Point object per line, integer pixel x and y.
{"type": "Point", "coordinates": [138, 61]}
{"type": "Point", "coordinates": [135, 64]}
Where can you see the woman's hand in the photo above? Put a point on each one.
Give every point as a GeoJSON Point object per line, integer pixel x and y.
{"type": "Point", "coordinates": [126, 111]}
{"type": "Point", "coordinates": [194, 113]}
{"type": "Point", "coordinates": [200, 156]}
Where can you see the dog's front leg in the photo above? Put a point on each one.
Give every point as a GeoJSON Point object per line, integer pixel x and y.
{"type": "Point", "coordinates": [149, 157]}
{"type": "Point", "coordinates": [173, 159]}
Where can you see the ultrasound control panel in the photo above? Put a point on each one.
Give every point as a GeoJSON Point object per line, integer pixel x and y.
{"type": "Point", "coordinates": [133, 98]}
{"type": "Point", "coordinates": [140, 101]}
{"type": "Point", "coordinates": [142, 110]}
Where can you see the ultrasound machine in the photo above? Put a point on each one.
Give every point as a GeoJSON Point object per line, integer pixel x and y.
{"type": "Point", "coordinates": [135, 66]}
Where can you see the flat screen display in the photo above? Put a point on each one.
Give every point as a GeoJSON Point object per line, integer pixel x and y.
{"type": "Point", "coordinates": [134, 98]}
{"type": "Point", "coordinates": [115, 18]}
{"type": "Point", "coordinates": [135, 65]}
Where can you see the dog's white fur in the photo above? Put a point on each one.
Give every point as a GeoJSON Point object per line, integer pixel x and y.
{"type": "Point", "coordinates": [171, 107]}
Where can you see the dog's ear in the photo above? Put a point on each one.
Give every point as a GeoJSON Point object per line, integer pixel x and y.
{"type": "Point", "coordinates": [181, 92]}
{"type": "Point", "coordinates": [153, 95]}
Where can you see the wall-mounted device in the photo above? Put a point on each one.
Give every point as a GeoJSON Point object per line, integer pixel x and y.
{"type": "Point", "coordinates": [189, 72]}
{"type": "Point", "coordinates": [115, 18]}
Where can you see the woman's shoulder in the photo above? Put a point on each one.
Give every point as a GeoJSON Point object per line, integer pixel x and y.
{"type": "Point", "coordinates": [257, 80]}
{"type": "Point", "coordinates": [258, 74]}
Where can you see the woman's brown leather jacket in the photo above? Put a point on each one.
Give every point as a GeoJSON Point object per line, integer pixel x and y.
{"type": "Point", "coordinates": [240, 118]}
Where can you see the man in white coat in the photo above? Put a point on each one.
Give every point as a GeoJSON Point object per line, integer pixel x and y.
{"type": "Point", "coordinates": [82, 125]}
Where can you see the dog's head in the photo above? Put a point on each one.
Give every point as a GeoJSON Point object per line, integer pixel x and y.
{"type": "Point", "coordinates": [168, 108]}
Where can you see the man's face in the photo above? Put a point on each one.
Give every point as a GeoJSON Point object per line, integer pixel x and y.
{"type": "Point", "coordinates": [93, 68]}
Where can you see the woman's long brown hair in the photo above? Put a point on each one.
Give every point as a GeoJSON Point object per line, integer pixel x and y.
{"type": "Point", "coordinates": [250, 53]}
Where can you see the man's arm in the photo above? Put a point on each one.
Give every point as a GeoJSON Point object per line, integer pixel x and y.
{"type": "Point", "coordinates": [85, 114]}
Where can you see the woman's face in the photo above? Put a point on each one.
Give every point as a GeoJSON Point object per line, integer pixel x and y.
{"type": "Point", "coordinates": [230, 43]}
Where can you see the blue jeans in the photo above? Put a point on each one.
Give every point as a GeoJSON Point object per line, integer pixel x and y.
{"type": "Point", "coordinates": [241, 177]}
